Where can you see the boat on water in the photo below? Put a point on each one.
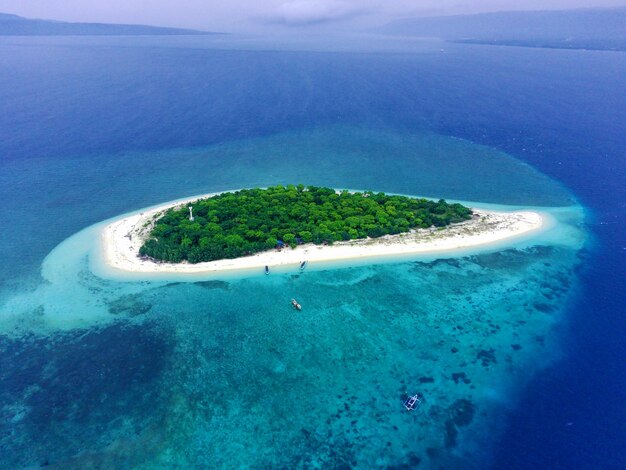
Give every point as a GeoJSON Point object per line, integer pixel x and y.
{"type": "Point", "coordinates": [412, 402]}
{"type": "Point", "coordinates": [295, 304]}
{"type": "Point", "coordinates": [303, 265]}
{"type": "Point", "coordinates": [267, 270]}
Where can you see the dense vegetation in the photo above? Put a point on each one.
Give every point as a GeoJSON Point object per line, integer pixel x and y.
{"type": "Point", "coordinates": [241, 223]}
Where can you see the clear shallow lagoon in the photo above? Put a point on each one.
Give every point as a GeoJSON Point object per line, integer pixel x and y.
{"type": "Point", "coordinates": [222, 372]}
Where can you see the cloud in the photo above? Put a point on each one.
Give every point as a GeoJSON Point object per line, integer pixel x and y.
{"type": "Point", "coordinates": [306, 12]}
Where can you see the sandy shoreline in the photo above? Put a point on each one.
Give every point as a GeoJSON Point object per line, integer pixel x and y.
{"type": "Point", "coordinates": [121, 240]}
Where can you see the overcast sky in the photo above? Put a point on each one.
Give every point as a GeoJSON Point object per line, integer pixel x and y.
{"type": "Point", "coordinates": [242, 15]}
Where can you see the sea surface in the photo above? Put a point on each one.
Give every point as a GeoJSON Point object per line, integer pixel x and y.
{"type": "Point", "coordinates": [517, 351]}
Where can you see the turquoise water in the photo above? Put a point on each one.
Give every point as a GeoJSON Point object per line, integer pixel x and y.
{"type": "Point", "coordinates": [220, 372]}
{"type": "Point", "coordinates": [223, 373]}
{"type": "Point", "coordinates": [263, 386]}
{"type": "Point", "coordinates": [76, 192]}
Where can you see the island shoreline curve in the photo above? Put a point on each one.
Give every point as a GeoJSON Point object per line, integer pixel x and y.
{"type": "Point", "coordinates": [121, 239]}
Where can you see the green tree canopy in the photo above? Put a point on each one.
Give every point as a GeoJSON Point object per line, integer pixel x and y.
{"type": "Point", "coordinates": [245, 222]}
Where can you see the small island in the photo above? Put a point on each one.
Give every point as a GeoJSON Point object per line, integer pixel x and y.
{"type": "Point", "coordinates": [249, 221]}
{"type": "Point", "coordinates": [283, 226]}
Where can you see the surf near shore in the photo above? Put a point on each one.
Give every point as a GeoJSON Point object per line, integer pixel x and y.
{"type": "Point", "coordinates": [122, 239]}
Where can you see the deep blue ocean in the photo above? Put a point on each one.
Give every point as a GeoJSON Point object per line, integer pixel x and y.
{"type": "Point", "coordinates": [94, 128]}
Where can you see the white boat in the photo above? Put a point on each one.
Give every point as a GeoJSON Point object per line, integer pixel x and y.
{"type": "Point", "coordinates": [412, 402]}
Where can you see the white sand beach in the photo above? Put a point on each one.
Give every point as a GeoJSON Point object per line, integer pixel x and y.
{"type": "Point", "coordinates": [122, 239]}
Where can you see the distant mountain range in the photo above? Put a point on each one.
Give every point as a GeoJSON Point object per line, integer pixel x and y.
{"type": "Point", "coordinates": [601, 28]}
{"type": "Point", "coordinates": [13, 25]}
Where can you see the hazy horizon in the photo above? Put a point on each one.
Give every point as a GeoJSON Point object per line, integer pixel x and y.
{"type": "Point", "coordinates": [273, 15]}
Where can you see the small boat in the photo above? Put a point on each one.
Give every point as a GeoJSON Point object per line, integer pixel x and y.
{"type": "Point", "coordinates": [267, 270]}
{"type": "Point", "coordinates": [296, 305]}
{"type": "Point", "coordinates": [303, 264]}
{"type": "Point", "coordinates": [412, 402]}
